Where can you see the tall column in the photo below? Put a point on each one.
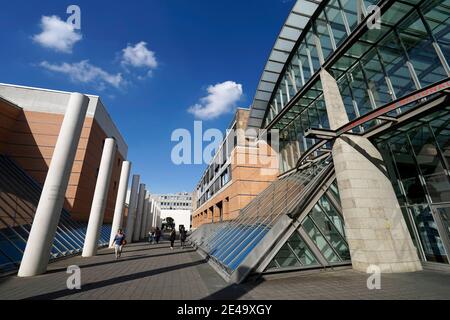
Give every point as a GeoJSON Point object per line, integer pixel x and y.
{"type": "Point", "coordinates": [150, 215]}
{"type": "Point", "coordinates": [132, 207]}
{"type": "Point", "coordinates": [120, 201]}
{"type": "Point", "coordinates": [152, 210]}
{"type": "Point", "coordinates": [140, 207]}
{"type": "Point", "coordinates": [99, 200]}
{"type": "Point", "coordinates": [45, 222]}
{"type": "Point", "coordinates": [375, 228]}
{"type": "Point", "coordinates": [144, 218]}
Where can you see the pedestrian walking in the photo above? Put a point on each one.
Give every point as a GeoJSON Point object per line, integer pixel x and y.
{"type": "Point", "coordinates": [157, 235]}
{"type": "Point", "coordinates": [173, 236]}
{"type": "Point", "coordinates": [183, 236]}
{"type": "Point", "coordinates": [119, 243]}
{"type": "Point", "coordinates": [151, 236]}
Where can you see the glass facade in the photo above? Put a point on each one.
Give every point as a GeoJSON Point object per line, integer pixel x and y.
{"type": "Point", "coordinates": [19, 196]}
{"type": "Point", "coordinates": [372, 68]}
{"type": "Point", "coordinates": [231, 243]}
{"type": "Point", "coordinates": [409, 52]}
{"type": "Point", "coordinates": [417, 157]}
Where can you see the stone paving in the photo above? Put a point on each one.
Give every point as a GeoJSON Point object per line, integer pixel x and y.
{"type": "Point", "coordinates": [154, 272]}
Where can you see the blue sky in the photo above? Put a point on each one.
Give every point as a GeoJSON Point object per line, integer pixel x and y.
{"type": "Point", "coordinates": [150, 61]}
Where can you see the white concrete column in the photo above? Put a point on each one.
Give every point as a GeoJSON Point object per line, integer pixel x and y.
{"type": "Point", "coordinates": [140, 208]}
{"type": "Point", "coordinates": [120, 201]}
{"type": "Point", "coordinates": [155, 215]}
{"type": "Point", "coordinates": [376, 231]}
{"type": "Point", "coordinates": [150, 216]}
{"type": "Point", "coordinates": [45, 222]}
{"type": "Point", "coordinates": [100, 197]}
{"type": "Point", "coordinates": [132, 206]}
{"type": "Point", "coordinates": [158, 217]}
{"type": "Point", "coordinates": [144, 218]}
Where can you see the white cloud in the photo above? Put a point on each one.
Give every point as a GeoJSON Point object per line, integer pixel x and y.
{"type": "Point", "coordinates": [57, 34]}
{"type": "Point", "coordinates": [222, 98]}
{"type": "Point", "coordinates": [139, 56]}
{"type": "Point", "coordinates": [86, 73]}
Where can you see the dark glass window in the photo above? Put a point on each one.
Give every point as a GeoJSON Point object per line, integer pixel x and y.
{"type": "Point", "coordinates": [320, 241]}
{"type": "Point", "coordinates": [430, 163]}
{"type": "Point", "coordinates": [420, 50]}
{"type": "Point", "coordinates": [407, 169]}
{"type": "Point", "coordinates": [431, 240]}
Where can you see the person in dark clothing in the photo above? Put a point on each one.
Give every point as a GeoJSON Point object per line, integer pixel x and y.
{"type": "Point", "coordinates": [157, 235]}
{"type": "Point", "coordinates": [173, 236]}
{"type": "Point", "coordinates": [183, 236]}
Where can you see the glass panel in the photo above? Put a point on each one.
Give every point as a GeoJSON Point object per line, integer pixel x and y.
{"type": "Point", "coordinates": [441, 129]}
{"type": "Point", "coordinates": [376, 78]}
{"type": "Point", "coordinates": [437, 15]}
{"type": "Point", "coordinates": [313, 50]}
{"type": "Point", "coordinates": [305, 62]}
{"type": "Point", "coordinates": [324, 36]}
{"type": "Point", "coordinates": [349, 7]}
{"type": "Point", "coordinates": [286, 258]}
{"type": "Point", "coordinates": [330, 232]}
{"type": "Point", "coordinates": [344, 88]}
{"type": "Point", "coordinates": [332, 214]}
{"type": "Point", "coordinates": [319, 240]}
{"type": "Point", "coordinates": [394, 60]}
{"type": "Point", "coordinates": [301, 250]}
{"type": "Point", "coordinates": [431, 166]}
{"type": "Point", "coordinates": [335, 190]}
{"type": "Point", "coordinates": [272, 265]}
{"type": "Point", "coordinates": [336, 22]}
{"type": "Point", "coordinates": [359, 89]}
{"type": "Point", "coordinates": [10, 249]}
{"type": "Point", "coordinates": [419, 48]}
{"type": "Point", "coordinates": [428, 232]}
{"type": "Point", "coordinates": [444, 214]}
{"type": "Point", "coordinates": [407, 169]}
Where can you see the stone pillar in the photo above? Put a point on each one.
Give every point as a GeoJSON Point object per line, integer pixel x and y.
{"type": "Point", "coordinates": [45, 222]}
{"type": "Point", "coordinates": [144, 218]}
{"type": "Point", "coordinates": [140, 207]}
{"type": "Point", "coordinates": [120, 201]}
{"type": "Point", "coordinates": [132, 208]}
{"type": "Point", "coordinates": [376, 231]}
{"type": "Point", "coordinates": [99, 200]}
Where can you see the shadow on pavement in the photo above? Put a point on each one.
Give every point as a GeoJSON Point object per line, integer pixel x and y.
{"type": "Point", "coordinates": [110, 282]}
{"type": "Point", "coordinates": [139, 257]}
{"type": "Point", "coordinates": [126, 251]}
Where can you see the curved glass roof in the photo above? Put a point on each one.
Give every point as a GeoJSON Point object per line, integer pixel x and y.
{"type": "Point", "coordinates": [297, 20]}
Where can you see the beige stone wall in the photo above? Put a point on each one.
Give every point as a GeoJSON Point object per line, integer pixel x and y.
{"type": "Point", "coordinates": [249, 178]}
{"type": "Point", "coordinates": [374, 224]}
{"type": "Point", "coordinates": [30, 142]}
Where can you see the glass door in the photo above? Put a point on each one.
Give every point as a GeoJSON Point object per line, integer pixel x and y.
{"type": "Point", "coordinates": [442, 216]}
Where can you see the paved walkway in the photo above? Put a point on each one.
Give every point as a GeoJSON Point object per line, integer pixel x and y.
{"type": "Point", "coordinates": [144, 272]}
{"type": "Point", "coordinates": [156, 272]}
